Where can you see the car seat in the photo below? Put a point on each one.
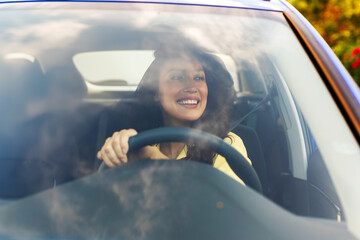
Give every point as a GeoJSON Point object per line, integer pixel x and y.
{"type": "Point", "coordinates": [22, 88]}
{"type": "Point", "coordinates": [254, 151]}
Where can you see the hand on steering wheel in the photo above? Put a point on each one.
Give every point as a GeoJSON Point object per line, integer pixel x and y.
{"type": "Point", "coordinates": [236, 161]}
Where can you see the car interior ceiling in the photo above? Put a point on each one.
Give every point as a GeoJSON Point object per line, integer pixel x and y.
{"type": "Point", "coordinates": [75, 129]}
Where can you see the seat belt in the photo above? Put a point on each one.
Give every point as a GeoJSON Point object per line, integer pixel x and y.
{"type": "Point", "coordinates": [239, 121]}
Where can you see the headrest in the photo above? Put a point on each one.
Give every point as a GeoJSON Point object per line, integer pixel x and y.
{"type": "Point", "coordinates": [22, 86]}
{"type": "Point", "coordinates": [21, 77]}
{"type": "Point", "coordinates": [66, 82]}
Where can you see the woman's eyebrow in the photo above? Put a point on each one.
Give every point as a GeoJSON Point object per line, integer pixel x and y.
{"type": "Point", "coordinates": [176, 70]}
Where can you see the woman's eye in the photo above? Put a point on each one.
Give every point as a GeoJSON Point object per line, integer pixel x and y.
{"type": "Point", "coordinates": [177, 77]}
{"type": "Point", "coordinates": [199, 78]}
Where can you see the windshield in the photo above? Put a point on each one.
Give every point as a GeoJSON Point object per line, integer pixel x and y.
{"type": "Point", "coordinates": [78, 80]}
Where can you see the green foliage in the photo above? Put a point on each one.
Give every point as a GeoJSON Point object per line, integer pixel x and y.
{"type": "Point", "coordinates": [338, 21]}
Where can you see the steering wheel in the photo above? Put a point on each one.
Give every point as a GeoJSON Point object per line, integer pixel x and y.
{"type": "Point", "coordinates": [235, 159]}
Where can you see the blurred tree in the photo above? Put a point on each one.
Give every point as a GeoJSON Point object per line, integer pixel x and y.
{"type": "Point", "coordinates": [338, 21]}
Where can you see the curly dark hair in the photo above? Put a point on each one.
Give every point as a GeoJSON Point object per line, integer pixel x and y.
{"type": "Point", "coordinates": [215, 119]}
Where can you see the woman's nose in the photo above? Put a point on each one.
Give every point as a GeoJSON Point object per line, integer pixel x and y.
{"type": "Point", "coordinates": [189, 85]}
{"type": "Point", "coordinates": [190, 90]}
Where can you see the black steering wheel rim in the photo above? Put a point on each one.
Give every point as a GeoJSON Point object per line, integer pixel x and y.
{"type": "Point", "coordinates": [237, 162]}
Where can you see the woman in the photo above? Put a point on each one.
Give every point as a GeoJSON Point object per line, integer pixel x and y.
{"type": "Point", "coordinates": [183, 87]}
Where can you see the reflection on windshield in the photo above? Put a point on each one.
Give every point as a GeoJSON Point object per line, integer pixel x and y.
{"type": "Point", "coordinates": [71, 98]}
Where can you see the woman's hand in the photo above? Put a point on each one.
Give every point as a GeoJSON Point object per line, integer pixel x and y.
{"type": "Point", "coordinates": [114, 151]}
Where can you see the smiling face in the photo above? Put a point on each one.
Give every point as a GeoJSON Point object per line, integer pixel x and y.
{"type": "Point", "coordinates": [182, 91]}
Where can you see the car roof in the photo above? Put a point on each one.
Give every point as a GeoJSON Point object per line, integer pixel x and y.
{"type": "Point", "coordinates": [269, 5]}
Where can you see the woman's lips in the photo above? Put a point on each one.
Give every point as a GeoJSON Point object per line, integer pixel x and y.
{"type": "Point", "coordinates": [188, 102]}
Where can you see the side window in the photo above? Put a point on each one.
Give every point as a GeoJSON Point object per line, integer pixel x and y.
{"type": "Point", "coordinates": [280, 144]}
{"type": "Point", "coordinates": [323, 199]}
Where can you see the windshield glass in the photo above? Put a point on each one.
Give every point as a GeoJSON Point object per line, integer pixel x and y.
{"type": "Point", "coordinates": [78, 80]}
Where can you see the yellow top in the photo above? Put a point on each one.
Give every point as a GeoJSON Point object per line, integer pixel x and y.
{"type": "Point", "coordinates": [220, 162]}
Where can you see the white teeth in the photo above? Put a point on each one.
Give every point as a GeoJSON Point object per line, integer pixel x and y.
{"type": "Point", "coordinates": [189, 102]}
